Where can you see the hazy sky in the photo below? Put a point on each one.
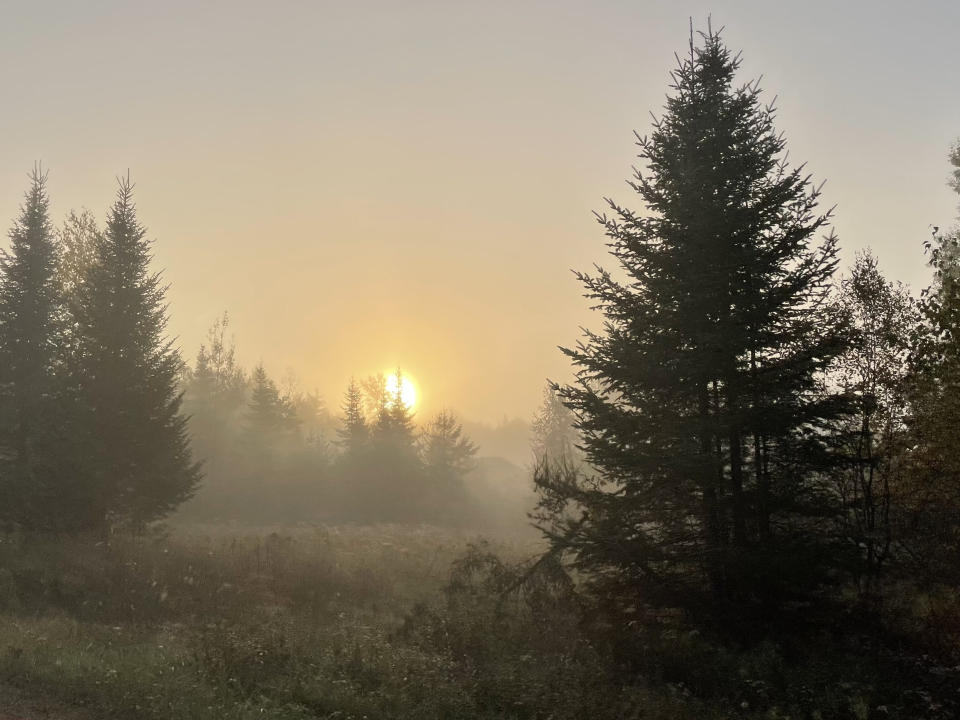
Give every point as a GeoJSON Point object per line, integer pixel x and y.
{"type": "Point", "coordinates": [367, 184]}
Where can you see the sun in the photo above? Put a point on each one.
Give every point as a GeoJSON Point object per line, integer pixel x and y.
{"type": "Point", "coordinates": [408, 389]}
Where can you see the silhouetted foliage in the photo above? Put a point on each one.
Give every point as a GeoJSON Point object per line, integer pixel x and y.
{"type": "Point", "coordinates": [354, 431]}
{"type": "Point", "coordinates": [446, 452]}
{"type": "Point", "coordinates": [33, 469]}
{"type": "Point", "coordinates": [376, 397]}
{"type": "Point", "coordinates": [215, 394]}
{"type": "Point", "coordinates": [933, 519]}
{"type": "Point", "coordinates": [392, 428]}
{"type": "Point", "coordinates": [130, 434]}
{"type": "Point", "coordinates": [384, 483]}
{"type": "Point", "coordinates": [80, 238]}
{"type": "Point", "coordinates": [447, 455]}
{"type": "Point", "coordinates": [750, 493]}
{"type": "Point", "coordinates": [954, 181]}
{"type": "Point", "coordinates": [874, 372]}
{"type": "Point", "coordinates": [270, 421]}
{"type": "Point", "coordinates": [702, 405]}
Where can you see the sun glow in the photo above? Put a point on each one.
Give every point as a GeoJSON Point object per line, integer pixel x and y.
{"type": "Point", "coordinates": [408, 389]}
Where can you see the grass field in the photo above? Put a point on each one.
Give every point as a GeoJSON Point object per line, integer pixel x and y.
{"type": "Point", "coordinates": [385, 622]}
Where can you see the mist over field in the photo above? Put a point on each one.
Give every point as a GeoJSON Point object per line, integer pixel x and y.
{"type": "Point", "coordinates": [342, 375]}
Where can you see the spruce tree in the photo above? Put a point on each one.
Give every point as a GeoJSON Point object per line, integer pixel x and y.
{"type": "Point", "coordinates": [354, 431]}
{"type": "Point", "coordinates": [269, 420]}
{"type": "Point", "coordinates": [380, 470]}
{"type": "Point", "coordinates": [701, 403]}
{"type": "Point", "coordinates": [354, 467]}
{"type": "Point", "coordinates": [393, 429]}
{"type": "Point", "coordinates": [447, 453]}
{"type": "Point", "coordinates": [131, 433]}
{"type": "Point", "coordinates": [31, 329]}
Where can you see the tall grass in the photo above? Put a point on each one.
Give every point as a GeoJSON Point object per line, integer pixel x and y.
{"type": "Point", "coordinates": [384, 622]}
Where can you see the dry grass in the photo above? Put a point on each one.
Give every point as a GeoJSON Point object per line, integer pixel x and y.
{"type": "Point", "coordinates": [364, 622]}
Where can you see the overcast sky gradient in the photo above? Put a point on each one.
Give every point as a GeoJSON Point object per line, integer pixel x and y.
{"type": "Point", "coordinates": [367, 184]}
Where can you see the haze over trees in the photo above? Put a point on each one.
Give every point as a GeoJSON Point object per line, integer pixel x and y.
{"type": "Point", "coordinates": [749, 495]}
{"type": "Point", "coordinates": [104, 426]}
{"type": "Point", "coordinates": [274, 453]}
{"type": "Point", "coordinates": [553, 435]}
{"type": "Point", "coordinates": [873, 439]}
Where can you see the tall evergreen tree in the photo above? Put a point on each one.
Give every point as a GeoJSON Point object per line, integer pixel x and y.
{"type": "Point", "coordinates": [131, 433]}
{"type": "Point", "coordinates": [447, 453]}
{"type": "Point", "coordinates": [354, 431]}
{"type": "Point", "coordinates": [701, 404]}
{"type": "Point", "coordinates": [380, 470]}
{"type": "Point", "coordinates": [269, 420]}
{"type": "Point", "coordinates": [393, 429]}
{"type": "Point", "coordinates": [395, 461]}
{"type": "Point", "coordinates": [31, 328]}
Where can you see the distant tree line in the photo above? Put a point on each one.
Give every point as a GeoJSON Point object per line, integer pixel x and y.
{"type": "Point", "coordinates": [757, 438]}
{"type": "Point", "coordinates": [275, 453]}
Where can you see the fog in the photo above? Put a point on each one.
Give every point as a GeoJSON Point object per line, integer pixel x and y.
{"type": "Point", "coordinates": [525, 360]}
{"type": "Point", "coordinates": [366, 186]}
